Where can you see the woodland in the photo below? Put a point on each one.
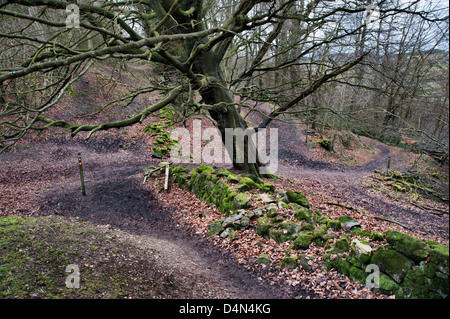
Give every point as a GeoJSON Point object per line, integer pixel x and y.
{"type": "Point", "coordinates": [91, 93]}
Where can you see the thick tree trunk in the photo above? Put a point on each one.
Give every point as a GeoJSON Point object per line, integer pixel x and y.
{"type": "Point", "coordinates": [226, 115]}
{"type": "Point", "coordinates": [216, 92]}
{"type": "Point", "coordinates": [244, 155]}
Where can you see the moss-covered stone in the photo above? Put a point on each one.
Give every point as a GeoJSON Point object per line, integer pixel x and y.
{"type": "Point", "coordinates": [303, 240]}
{"type": "Point", "coordinates": [358, 261]}
{"type": "Point", "coordinates": [302, 213]}
{"type": "Point", "coordinates": [392, 263]}
{"type": "Point", "coordinates": [263, 226]}
{"type": "Point", "coordinates": [293, 228]}
{"type": "Point", "coordinates": [233, 179]}
{"type": "Point", "coordinates": [357, 274]}
{"type": "Point", "coordinates": [439, 256]}
{"type": "Point", "coordinates": [341, 245]}
{"type": "Point", "coordinates": [276, 220]}
{"type": "Point", "coordinates": [264, 259]}
{"type": "Point", "coordinates": [233, 221]}
{"type": "Point", "coordinates": [242, 201]}
{"type": "Point", "coordinates": [234, 235]}
{"type": "Point", "coordinates": [440, 285]}
{"type": "Point", "coordinates": [279, 235]}
{"type": "Point", "coordinates": [320, 231]}
{"type": "Point", "coordinates": [388, 286]}
{"type": "Point", "coordinates": [430, 269]}
{"type": "Point", "coordinates": [307, 227]}
{"type": "Point", "coordinates": [246, 184]}
{"type": "Point", "coordinates": [303, 261]}
{"type": "Point", "coordinates": [335, 224]}
{"type": "Point", "coordinates": [324, 220]}
{"type": "Point", "coordinates": [206, 169]}
{"type": "Point", "coordinates": [362, 250]}
{"type": "Point", "coordinates": [361, 232]}
{"type": "Point", "coordinates": [215, 228]}
{"type": "Point", "coordinates": [341, 265]}
{"type": "Point", "coordinates": [224, 172]}
{"type": "Point", "coordinates": [315, 216]}
{"type": "Point", "coordinates": [415, 284]}
{"type": "Point", "coordinates": [254, 178]}
{"type": "Point", "coordinates": [375, 236]}
{"type": "Point", "coordinates": [272, 210]}
{"type": "Point", "coordinates": [267, 187]}
{"type": "Point", "coordinates": [345, 218]}
{"type": "Point", "coordinates": [289, 262]}
{"type": "Point", "coordinates": [298, 198]}
{"type": "Point", "coordinates": [407, 245]}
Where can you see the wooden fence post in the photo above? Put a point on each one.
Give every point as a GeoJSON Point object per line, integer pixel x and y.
{"type": "Point", "coordinates": [80, 166]}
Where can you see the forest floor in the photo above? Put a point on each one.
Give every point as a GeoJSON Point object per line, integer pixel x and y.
{"type": "Point", "coordinates": [144, 237]}
{"type": "Point", "coordinates": [166, 231]}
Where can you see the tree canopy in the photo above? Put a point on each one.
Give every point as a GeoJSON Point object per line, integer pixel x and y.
{"type": "Point", "coordinates": [352, 61]}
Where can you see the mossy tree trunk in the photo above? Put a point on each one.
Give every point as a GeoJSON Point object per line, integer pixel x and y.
{"type": "Point", "coordinates": [214, 89]}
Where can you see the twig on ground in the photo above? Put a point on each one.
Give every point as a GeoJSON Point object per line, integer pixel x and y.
{"type": "Point", "coordinates": [363, 213]}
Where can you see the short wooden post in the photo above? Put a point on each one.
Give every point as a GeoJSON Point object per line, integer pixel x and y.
{"type": "Point", "coordinates": [166, 182]}
{"type": "Point", "coordinates": [389, 163]}
{"type": "Point", "coordinates": [80, 166]}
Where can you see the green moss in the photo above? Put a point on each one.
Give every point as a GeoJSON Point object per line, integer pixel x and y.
{"type": "Point", "coordinates": [335, 225]}
{"type": "Point", "coordinates": [439, 256]}
{"type": "Point", "coordinates": [263, 226]}
{"type": "Point", "coordinates": [205, 168]}
{"type": "Point", "coordinates": [407, 245]}
{"type": "Point", "coordinates": [319, 232]}
{"type": "Point", "coordinates": [272, 210]}
{"type": "Point", "coordinates": [303, 261]}
{"type": "Point", "coordinates": [267, 187]}
{"type": "Point", "coordinates": [264, 259]}
{"type": "Point", "coordinates": [242, 201]}
{"type": "Point", "coordinates": [303, 240]}
{"type": "Point", "coordinates": [375, 236]}
{"type": "Point", "coordinates": [233, 179]}
{"type": "Point", "coordinates": [388, 286]}
{"type": "Point", "coordinates": [341, 245]}
{"type": "Point", "coordinates": [298, 198]}
{"type": "Point", "coordinates": [215, 228]}
{"type": "Point", "coordinates": [399, 188]}
{"type": "Point", "coordinates": [254, 178]}
{"type": "Point", "coordinates": [289, 262]}
{"type": "Point", "coordinates": [415, 284]}
{"type": "Point", "coordinates": [224, 172]}
{"type": "Point", "coordinates": [326, 144]}
{"type": "Point", "coordinates": [307, 227]}
{"type": "Point", "coordinates": [234, 235]}
{"type": "Point", "coordinates": [324, 220]}
{"type": "Point", "coordinates": [302, 213]}
{"type": "Point", "coordinates": [315, 216]}
{"type": "Point", "coordinates": [246, 184]}
{"type": "Point", "coordinates": [293, 229]}
{"type": "Point", "coordinates": [392, 263]}
{"type": "Point", "coordinates": [276, 220]}
{"type": "Point", "coordinates": [357, 274]}
{"type": "Point", "coordinates": [279, 235]}
{"type": "Point", "coordinates": [345, 218]}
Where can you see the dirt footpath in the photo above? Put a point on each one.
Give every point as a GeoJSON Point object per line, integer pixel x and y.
{"type": "Point", "coordinates": [43, 180]}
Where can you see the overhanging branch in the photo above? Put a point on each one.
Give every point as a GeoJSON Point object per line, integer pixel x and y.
{"type": "Point", "coordinates": [170, 97]}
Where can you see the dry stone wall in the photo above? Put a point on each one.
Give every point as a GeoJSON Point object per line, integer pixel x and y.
{"type": "Point", "coordinates": [393, 263]}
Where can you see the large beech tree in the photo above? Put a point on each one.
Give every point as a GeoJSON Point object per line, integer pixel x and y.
{"type": "Point", "coordinates": [271, 51]}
